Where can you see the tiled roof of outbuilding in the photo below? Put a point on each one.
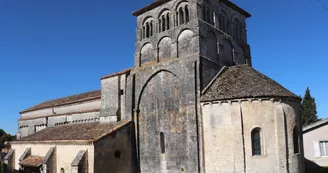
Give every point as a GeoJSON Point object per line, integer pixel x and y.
{"type": "Point", "coordinates": [86, 132]}
{"type": "Point", "coordinates": [243, 81]}
{"type": "Point", "coordinates": [161, 2]}
{"type": "Point", "coordinates": [32, 161]}
{"type": "Point", "coordinates": [66, 100]}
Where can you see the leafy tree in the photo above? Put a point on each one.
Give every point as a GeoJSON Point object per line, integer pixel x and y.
{"type": "Point", "coordinates": [309, 109]}
{"type": "Point", "coordinates": [5, 137]}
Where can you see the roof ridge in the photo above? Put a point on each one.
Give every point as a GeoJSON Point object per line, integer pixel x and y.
{"type": "Point", "coordinates": [51, 103]}
{"type": "Point", "coordinates": [243, 81]}
{"type": "Point", "coordinates": [223, 69]}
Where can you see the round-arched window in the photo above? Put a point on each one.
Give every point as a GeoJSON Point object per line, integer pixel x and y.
{"type": "Point", "coordinates": [62, 170]}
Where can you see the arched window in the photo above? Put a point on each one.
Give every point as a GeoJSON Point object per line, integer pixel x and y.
{"type": "Point", "coordinates": [62, 170]}
{"type": "Point", "coordinates": [237, 29]}
{"type": "Point", "coordinates": [147, 30]}
{"type": "Point", "coordinates": [256, 142]}
{"type": "Point", "coordinates": [208, 16]}
{"type": "Point", "coordinates": [168, 21]}
{"type": "Point", "coordinates": [187, 13]}
{"type": "Point", "coordinates": [162, 142]}
{"type": "Point", "coordinates": [204, 13]}
{"type": "Point", "coordinates": [224, 22]}
{"type": "Point", "coordinates": [296, 141]}
{"type": "Point", "coordinates": [181, 16]}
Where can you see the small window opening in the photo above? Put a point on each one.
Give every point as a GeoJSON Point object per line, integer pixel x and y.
{"type": "Point", "coordinates": [163, 23]}
{"type": "Point", "coordinates": [187, 13]}
{"type": "Point", "coordinates": [256, 142]}
{"type": "Point", "coordinates": [147, 30]}
{"type": "Point", "coordinates": [117, 154]}
{"type": "Point", "coordinates": [62, 170]}
{"type": "Point", "coordinates": [296, 141]}
{"type": "Point", "coordinates": [168, 21]}
{"type": "Point", "coordinates": [181, 16]}
{"type": "Point", "coordinates": [151, 28]}
{"type": "Point", "coordinates": [162, 142]}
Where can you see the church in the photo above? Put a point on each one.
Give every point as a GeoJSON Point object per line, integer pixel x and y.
{"type": "Point", "coordinates": [192, 103]}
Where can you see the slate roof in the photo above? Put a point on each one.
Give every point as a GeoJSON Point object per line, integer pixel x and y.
{"type": "Point", "coordinates": [32, 161]}
{"type": "Point", "coordinates": [243, 81]}
{"type": "Point", "coordinates": [86, 132]}
{"type": "Point", "coordinates": [161, 2]}
{"type": "Point", "coordinates": [66, 100]}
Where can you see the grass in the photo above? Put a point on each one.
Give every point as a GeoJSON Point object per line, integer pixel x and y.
{"type": "Point", "coordinates": [317, 170]}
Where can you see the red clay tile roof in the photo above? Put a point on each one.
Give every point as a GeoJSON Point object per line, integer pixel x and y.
{"type": "Point", "coordinates": [160, 2]}
{"type": "Point", "coordinates": [86, 132]}
{"type": "Point", "coordinates": [242, 81]}
{"type": "Point", "coordinates": [117, 73]}
{"type": "Point", "coordinates": [66, 100]}
{"type": "Point", "coordinates": [32, 161]}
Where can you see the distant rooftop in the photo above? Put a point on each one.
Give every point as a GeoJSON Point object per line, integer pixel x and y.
{"type": "Point", "coordinates": [66, 100]}
{"type": "Point", "coordinates": [315, 125]}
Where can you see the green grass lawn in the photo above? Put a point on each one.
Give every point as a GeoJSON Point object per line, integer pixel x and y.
{"type": "Point", "coordinates": [317, 170]}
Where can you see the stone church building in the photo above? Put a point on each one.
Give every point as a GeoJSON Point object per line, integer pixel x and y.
{"type": "Point", "coordinates": [192, 103]}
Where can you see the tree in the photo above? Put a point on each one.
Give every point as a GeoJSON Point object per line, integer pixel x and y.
{"type": "Point", "coordinates": [309, 109]}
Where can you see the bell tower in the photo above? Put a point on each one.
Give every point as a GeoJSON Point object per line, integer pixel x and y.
{"type": "Point", "coordinates": [213, 30]}
{"type": "Point", "coordinates": [181, 45]}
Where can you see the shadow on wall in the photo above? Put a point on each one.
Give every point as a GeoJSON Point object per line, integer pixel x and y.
{"type": "Point", "coordinates": [311, 167]}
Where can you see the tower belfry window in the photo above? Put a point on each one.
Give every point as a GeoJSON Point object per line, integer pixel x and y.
{"type": "Point", "coordinates": [181, 16]}
{"type": "Point", "coordinates": [147, 29]}
{"type": "Point", "coordinates": [163, 23]}
{"type": "Point", "coordinates": [187, 13]}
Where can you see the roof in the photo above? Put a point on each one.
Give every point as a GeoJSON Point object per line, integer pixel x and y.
{"type": "Point", "coordinates": [86, 132]}
{"type": "Point", "coordinates": [117, 73]}
{"type": "Point", "coordinates": [242, 81]}
{"type": "Point", "coordinates": [315, 125]}
{"type": "Point", "coordinates": [161, 2]}
{"type": "Point", "coordinates": [55, 115]}
{"type": "Point", "coordinates": [66, 100]}
{"type": "Point", "coordinates": [32, 161]}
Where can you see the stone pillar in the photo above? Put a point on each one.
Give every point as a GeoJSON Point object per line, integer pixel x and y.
{"type": "Point", "coordinates": [75, 169]}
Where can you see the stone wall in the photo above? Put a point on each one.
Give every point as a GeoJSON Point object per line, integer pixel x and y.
{"type": "Point", "coordinates": [165, 102]}
{"type": "Point", "coordinates": [227, 136]}
{"type": "Point", "coordinates": [113, 91]}
{"type": "Point", "coordinates": [115, 153]}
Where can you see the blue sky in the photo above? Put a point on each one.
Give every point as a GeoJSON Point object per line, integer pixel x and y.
{"type": "Point", "coordinates": [54, 48]}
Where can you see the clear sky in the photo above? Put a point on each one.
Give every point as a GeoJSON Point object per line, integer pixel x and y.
{"type": "Point", "coordinates": [55, 48]}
